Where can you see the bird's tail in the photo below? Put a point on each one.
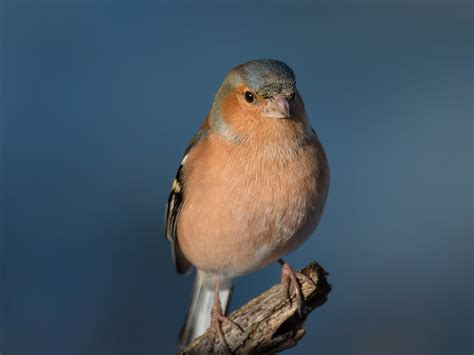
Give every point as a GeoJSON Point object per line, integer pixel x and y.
{"type": "Point", "coordinates": [199, 313]}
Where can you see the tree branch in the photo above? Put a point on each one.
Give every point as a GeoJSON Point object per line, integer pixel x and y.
{"type": "Point", "coordinates": [270, 322]}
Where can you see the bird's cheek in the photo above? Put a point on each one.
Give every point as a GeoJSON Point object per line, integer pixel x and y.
{"type": "Point", "coordinates": [235, 111]}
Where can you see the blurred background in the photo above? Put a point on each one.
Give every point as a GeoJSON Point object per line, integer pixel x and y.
{"type": "Point", "coordinates": [99, 100]}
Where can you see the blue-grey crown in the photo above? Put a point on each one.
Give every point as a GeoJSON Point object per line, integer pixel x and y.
{"type": "Point", "coordinates": [268, 77]}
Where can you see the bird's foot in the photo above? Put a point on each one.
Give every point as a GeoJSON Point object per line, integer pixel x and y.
{"type": "Point", "coordinates": [289, 279]}
{"type": "Point", "coordinates": [217, 318]}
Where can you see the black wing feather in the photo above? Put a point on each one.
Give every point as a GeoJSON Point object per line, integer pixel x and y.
{"type": "Point", "coordinates": [173, 207]}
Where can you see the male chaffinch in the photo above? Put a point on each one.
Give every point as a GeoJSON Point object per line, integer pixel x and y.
{"type": "Point", "coordinates": [251, 188]}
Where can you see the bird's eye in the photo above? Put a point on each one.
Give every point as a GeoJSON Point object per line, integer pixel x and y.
{"type": "Point", "coordinates": [292, 97]}
{"type": "Point", "coordinates": [249, 97]}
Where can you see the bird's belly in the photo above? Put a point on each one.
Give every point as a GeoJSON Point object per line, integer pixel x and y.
{"type": "Point", "coordinates": [242, 222]}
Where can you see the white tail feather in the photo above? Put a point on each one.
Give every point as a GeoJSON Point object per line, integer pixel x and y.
{"type": "Point", "coordinates": [199, 313]}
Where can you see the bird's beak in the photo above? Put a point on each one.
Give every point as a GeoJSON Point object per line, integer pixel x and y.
{"type": "Point", "coordinates": [277, 107]}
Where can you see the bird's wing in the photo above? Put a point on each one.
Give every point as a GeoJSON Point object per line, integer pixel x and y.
{"type": "Point", "coordinates": [175, 201]}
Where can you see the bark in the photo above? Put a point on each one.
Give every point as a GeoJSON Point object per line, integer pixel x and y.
{"type": "Point", "coordinates": [270, 321]}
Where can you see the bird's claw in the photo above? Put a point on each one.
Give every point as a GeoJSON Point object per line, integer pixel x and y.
{"type": "Point", "coordinates": [289, 279]}
{"type": "Point", "coordinates": [216, 323]}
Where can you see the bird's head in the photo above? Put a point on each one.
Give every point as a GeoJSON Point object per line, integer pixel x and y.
{"type": "Point", "coordinates": [261, 89]}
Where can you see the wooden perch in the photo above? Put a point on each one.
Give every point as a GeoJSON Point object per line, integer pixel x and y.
{"type": "Point", "coordinates": [270, 322]}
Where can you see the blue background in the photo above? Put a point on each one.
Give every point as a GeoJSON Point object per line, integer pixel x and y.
{"type": "Point", "coordinates": [99, 100]}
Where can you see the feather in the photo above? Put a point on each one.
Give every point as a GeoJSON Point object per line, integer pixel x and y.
{"type": "Point", "coordinates": [198, 318]}
{"type": "Point", "coordinates": [174, 204]}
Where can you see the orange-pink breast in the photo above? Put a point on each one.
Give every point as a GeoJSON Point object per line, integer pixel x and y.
{"type": "Point", "coordinates": [246, 205]}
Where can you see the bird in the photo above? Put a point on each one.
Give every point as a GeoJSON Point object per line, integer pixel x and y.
{"type": "Point", "coordinates": [251, 187]}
